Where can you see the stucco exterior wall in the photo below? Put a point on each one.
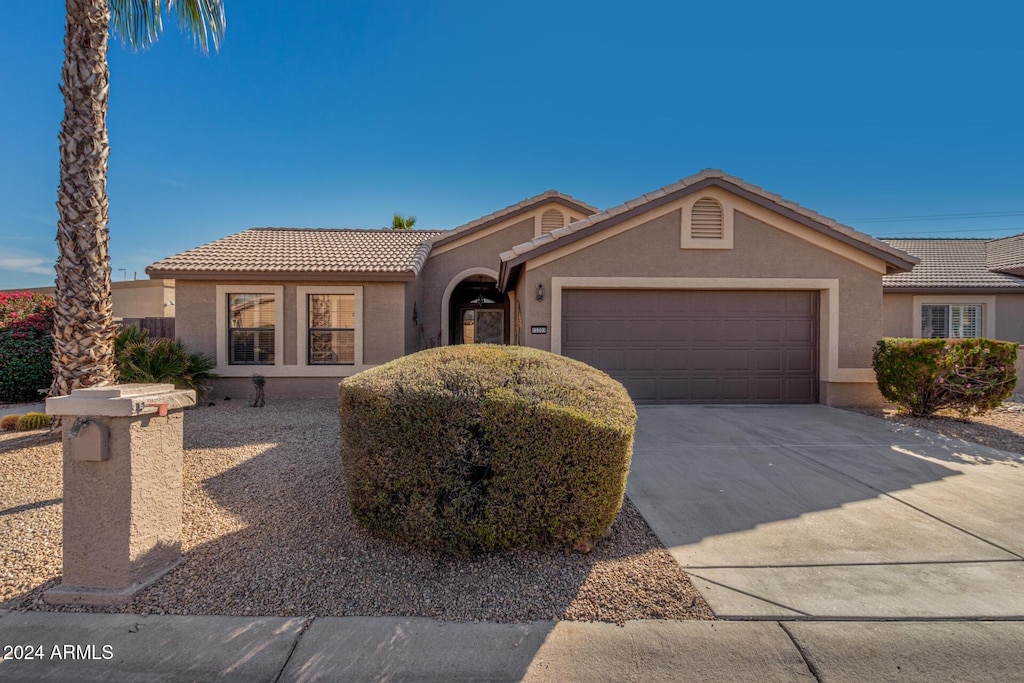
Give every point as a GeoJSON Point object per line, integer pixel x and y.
{"type": "Point", "coordinates": [414, 318]}
{"type": "Point", "coordinates": [481, 253]}
{"type": "Point", "coordinates": [384, 333]}
{"type": "Point", "coordinates": [241, 388]}
{"type": "Point", "coordinates": [196, 319]}
{"type": "Point", "coordinates": [1010, 317]}
{"type": "Point", "coordinates": [760, 251]}
{"type": "Point", "coordinates": [144, 299]}
{"type": "Point", "coordinates": [132, 298]}
{"type": "Point", "coordinates": [122, 516]}
{"type": "Point", "coordinates": [897, 315]}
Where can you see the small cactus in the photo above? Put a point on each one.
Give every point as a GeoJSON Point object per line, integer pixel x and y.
{"type": "Point", "coordinates": [30, 421]}
{"type": "Point", "coordinates": [9, 423]}
{"type": "Point", "coordinates": [259, 381]}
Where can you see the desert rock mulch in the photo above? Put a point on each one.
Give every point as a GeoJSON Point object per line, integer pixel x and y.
{"type": "Point", "coordinates": [1002, 428]}
{"type": "Point", "coordinates": [267, 531]}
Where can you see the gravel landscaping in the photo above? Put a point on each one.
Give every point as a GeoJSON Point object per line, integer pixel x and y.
{"type": "Point", "coordinates": [267, 531]}
{"type": "Point", "coordinates": [1002, 428]}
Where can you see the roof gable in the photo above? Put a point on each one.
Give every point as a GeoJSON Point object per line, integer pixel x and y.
{"type": "Point", "coordinates": [1006, 255]}
{"type": "Point", "coordinates": [514, 258]}
{"type": "Point", "coordinates": [512, 211]}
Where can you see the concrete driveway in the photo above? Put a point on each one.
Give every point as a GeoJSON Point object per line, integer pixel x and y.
{"type": "Point", "coordinates": [813, 512]}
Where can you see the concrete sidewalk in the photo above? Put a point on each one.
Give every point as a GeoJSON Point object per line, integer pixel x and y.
{"type": "Point", "coordinates": [121, 647]}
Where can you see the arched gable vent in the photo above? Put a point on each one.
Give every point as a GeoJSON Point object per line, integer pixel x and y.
{"type": "Point", "coordinates": [552, 219]}
{"type": "Point", "coordinates": [707, 221]}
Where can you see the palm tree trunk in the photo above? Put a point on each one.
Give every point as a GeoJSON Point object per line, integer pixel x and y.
{"type": "Point", "coordinates": [83, 353]}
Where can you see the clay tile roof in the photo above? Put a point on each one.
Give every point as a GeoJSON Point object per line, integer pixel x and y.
{"type": "Point", "coordinates": [1006, 254]}
{"type": "Point", "coordinates": [305, 250]}
{"type": "Point", "coordinates": [512, 210]}
{"type": "Point", "coordinates": [950, 264]}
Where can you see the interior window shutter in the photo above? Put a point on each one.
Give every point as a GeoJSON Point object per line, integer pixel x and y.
{"type": "Point", "coordinates": [934, 321]}
{"type": "Point", "coordinates": [550, 220]}
{"type": "Point", "coordinates": [969, 321]}
{"type": "Point", "coordinates": [707, 220]}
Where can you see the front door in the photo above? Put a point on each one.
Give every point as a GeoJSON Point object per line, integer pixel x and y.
{"type": "Point", "coordinates": [483, 326]}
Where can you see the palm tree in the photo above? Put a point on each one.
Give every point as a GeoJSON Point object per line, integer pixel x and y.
{"type": "Point", "coordinates": [84, 331]}
{"type": "Point", "coordinates": [400, 223]}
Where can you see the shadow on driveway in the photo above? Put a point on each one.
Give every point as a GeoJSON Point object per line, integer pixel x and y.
{"type": "Point", "coordinates": [808, 511]}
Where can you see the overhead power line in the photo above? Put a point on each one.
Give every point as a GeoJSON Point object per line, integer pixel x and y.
{"type": "Point", "coordinates": [928, 233]}
{"type": "Point", "coordinates": [935, 217]}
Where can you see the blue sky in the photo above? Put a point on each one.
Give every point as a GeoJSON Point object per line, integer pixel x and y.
{"type": "Point", "coordinates": [337, 114]}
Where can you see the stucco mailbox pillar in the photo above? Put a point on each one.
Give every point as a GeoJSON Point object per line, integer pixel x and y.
{"type": "Point", "coordinates": [122, 489]}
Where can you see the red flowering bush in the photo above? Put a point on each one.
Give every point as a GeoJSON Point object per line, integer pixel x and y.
{"type": "Point", "coordinates": [26, 321]}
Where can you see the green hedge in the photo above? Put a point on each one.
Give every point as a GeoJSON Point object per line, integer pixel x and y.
{"type": "Point", "coordinates": [481, 447]}
{"type": "Point", "coordinates": [926, 375]}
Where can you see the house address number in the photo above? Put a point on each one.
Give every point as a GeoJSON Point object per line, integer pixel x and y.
{"type": "Point", "coordinates": [538, 329]}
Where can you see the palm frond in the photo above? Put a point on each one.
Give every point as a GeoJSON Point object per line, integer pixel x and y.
{"type": "Point", "coordinates": [136, 21]}
{"type": "Point", "coordinates": [139, 22]}
{"type": "Point", "coordinates": [204, 19]}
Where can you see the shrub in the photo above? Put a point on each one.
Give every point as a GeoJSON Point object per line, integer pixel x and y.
{"type": "Point", "coordinates": [8, 423]}
{"type": "Point", "coordinates": [140, 359]}
{"type": "Point", "coordinates": [481, 447]}
{"type": "Point", "coordinates": [30, 421]}
{"type": "Point", "coordinates": [26, 346]}
{"type": "Point", "coordinates": [926, 375]}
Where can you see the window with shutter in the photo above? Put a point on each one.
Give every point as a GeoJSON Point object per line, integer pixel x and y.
{"type": "Point", "coordinates": [251, 336]}
{"type": "Point", "coordinates": [552, 219]}
{"type": "Point", "coordinates": [934, 321]}
{"type": "Point", "coordinates": [951, 321]}
{"type": "Point", "coordinates": [707, 220]}
{"type": "Point", "coordinates": [964, 322]}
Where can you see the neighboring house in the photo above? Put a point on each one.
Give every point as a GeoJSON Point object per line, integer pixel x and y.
{"type": "Point", "coordinates": [132, 298]}
{"type": "Point", "coordinates": [961, 288]}
{"type": "Point", "coordinates": [707, 290]}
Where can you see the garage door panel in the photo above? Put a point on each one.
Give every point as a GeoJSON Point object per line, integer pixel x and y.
{"type": "Point", "coordinates": [698, 346]}
{"type": "Point", "coordinates": [612, 359]}
{"type": "Point", "coordinates": [799, 330]}
{"type": "Point", "coordinates": [767, 389]}
{"type": "Point", "coordinates": [733, 361]}
{"type": "Point", "coordinates": [796, 388]}
{"type": "Point", "coordinates": [800, 361]}
{"type": "Point", "coordinates": [766, 360]}
{"type": "Point", "coordinates": [770, 330]}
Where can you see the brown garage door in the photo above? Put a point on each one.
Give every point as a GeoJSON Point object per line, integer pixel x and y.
{"type": "Point", "coordinates": [698, 346]}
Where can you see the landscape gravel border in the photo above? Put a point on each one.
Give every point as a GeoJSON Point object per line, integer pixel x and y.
{"type": "Point", "coordinates": [267, 531]}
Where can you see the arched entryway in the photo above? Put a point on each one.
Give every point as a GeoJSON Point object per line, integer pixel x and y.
{"type": "Point", "coordinates": [477, 312]}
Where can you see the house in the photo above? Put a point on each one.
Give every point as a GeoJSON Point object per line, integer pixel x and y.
{"type": "Point", "coordinates": [961, 288]}
{"type": "Point", "coordinates": [707, 290]}
{"type": "Point", "coordinates": [132, 298]}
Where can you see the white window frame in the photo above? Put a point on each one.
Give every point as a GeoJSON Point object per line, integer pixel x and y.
{"type": "Point", "coordinates": [987, 303]}
{"type": "Point", "coordinates": [725, 201]}
{"type": "Point", "coordinates": [223, 366]}
{"type": "Point", "coordinates": [302, 331]}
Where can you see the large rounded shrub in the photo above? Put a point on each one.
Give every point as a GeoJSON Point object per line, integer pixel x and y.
{"type": "Point", "coordinates": [481, 447]}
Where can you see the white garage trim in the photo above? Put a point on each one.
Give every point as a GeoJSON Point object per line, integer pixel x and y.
{"type": "Point", "coordinates": [447, 297]}
{"type": "Point", "coordinates": [828, 313]}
